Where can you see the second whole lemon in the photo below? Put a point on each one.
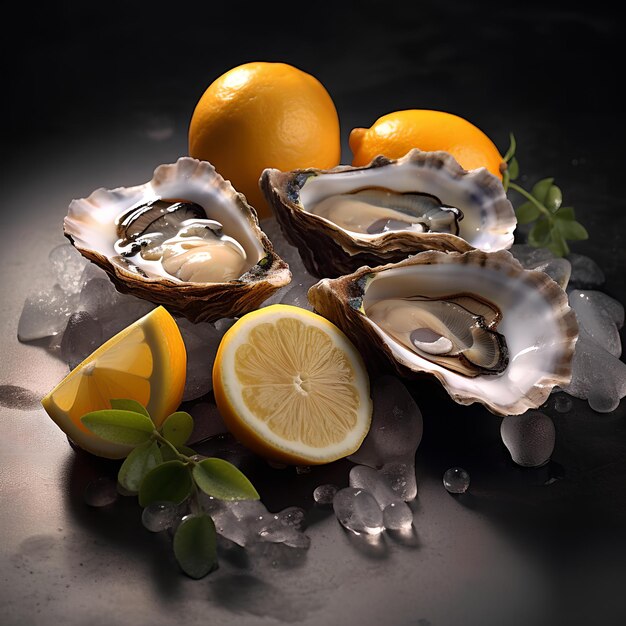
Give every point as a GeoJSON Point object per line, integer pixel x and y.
{"type": "Point", "coordinates": [260, 115]}
{"type": "Point", "coordinates": [394, 134]}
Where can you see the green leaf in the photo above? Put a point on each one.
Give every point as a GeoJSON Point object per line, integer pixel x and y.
{"type": "Point", "coordinates": [170, 482]}
{"type": "Point", "coordinates": [137, 464]}
{"type": "Point", "coordinates": [554, 198]}
{"type": "Point", "coordinates": [510, 153]}
{"type": "Point", "coordinates": [222, 480]}
{"type": "Point", "coordinates": [513, 168]}
{"type": "Point", "coordinates": [572, 230]}
{"type": "Point", "coordinates": [540, 189]}
{"type": "Point", "coordinates": [195, 545]}
{"type": "Point", "coordinates": [527, 213]}
{"type": "Point", "coordinates": [126, 404]}
{"type": "Point", "coordinates": [177, 428]}
{"type": "Point", "coordinates": [539, 236]}
{"type": "Point", "coordinates": [557, 244]}
{"type": "Point", "coordinates": [118, 426]}
{"type": "Point", "coordinates": [168, 453]}
{"type": "Point", "coordinates": [565, 213]}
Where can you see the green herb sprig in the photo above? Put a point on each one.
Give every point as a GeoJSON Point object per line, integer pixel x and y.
{"type": "Point", "coordinates": [160, 467]}
{"type": "Point", "coordinates": [554, 224]}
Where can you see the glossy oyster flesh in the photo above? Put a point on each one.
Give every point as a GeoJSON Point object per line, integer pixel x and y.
{"type": "Point", "coordinates": [488, 330]}
{"type": "Point", "coordinates": [346, 217]}
{"type": "Point", "coordinates": [186, 240]}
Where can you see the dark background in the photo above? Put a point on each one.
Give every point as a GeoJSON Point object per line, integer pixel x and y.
{"type": "Point", "coordinates": [100, 94]}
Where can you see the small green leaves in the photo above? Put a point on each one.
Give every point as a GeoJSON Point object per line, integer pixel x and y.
{"type": "Point", "coordinates": [572, 230]}
{"type": "Point", "coordinates": [161, 468]}
{"type": "Point", "coordinates": [527, 212]}
{"type": "Point", "coordinates": [195, 545]}
{"type": "Point", "coordinates": [170, 482]}
{"type": "Point", "coordinates": [177, 428]}
{"type": "Point", "coordinates": [553, 224]}
{"type": "Point", "coordinates": [222, 480]}
{"type": "Point", "coordinates": [137, 464]}
{"type": "Point", "coordinates": [126, 404]}
{"type": "Point", "coordinates": [119, 426]}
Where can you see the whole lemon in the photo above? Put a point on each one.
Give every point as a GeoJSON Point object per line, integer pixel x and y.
{"type": "Point", "coordinates": [260, 115]}
{"type": "Point", "coordinates": [394, 134]}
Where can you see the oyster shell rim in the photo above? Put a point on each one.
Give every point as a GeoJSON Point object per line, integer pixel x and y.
{"type": "Point", "coordinates": [344, 253]}
{"type": "Point", "coordinates": [198, 302]}
{"type": "Point", "coordinates": [346, 293]}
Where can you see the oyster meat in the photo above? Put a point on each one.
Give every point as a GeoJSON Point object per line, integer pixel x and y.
{"type": "Point", "coordinates": [346, 217]}
{"type": "Point", "coordinates": [186, 240]}
{"type": "Point", "coordinates": [488, 330]}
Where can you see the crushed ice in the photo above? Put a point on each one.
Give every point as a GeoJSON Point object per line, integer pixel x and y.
{"type": "Point", "coordinates": [598, 374]}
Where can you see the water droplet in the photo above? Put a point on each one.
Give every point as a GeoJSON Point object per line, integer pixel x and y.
{"type": "Point", "coordinates": [397, 515]}
{"type": "Point", "coordinates": [160, 516]}
{"type": "Point", "coordinates": [456, 480]}
{"type": "Point", "coordinates": [303, 469]}
{"type": "Point", "coordinates": [100, 492]}
{"type": "Point", "coordinates": [324, 494]}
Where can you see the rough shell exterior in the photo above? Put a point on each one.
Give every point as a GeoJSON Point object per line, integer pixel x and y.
{"type": "Point", "coordinates": [341, 301]}
{"type": "Point", "coordinates": [196, 301]}
{"type": "Point", "coordinates": [329, 251]}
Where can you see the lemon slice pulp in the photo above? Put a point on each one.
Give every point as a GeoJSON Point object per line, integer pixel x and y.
{"type": "Point", "coordinates": [145, 362]}
{"type": "Point", "coordinates": [292, 387]}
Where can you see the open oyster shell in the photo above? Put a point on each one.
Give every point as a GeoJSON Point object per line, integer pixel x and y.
{"type": "Point", "coordinates": [514, 327]}
{"type": "Point", "coordinates": [346, 217]}
{"type": "Point", "coordinates": [186, 239]}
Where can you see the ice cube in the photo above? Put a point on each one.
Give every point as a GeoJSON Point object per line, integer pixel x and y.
{"type": "Point", "coordinates": [68, 265]}
{"type": "Point", "coordinates": [246, 522]}
{"type": "Point", "coordinates": [99, 298]}
{"type": "Point", "coordinates": [201, 342]}
{"type": "Point", "coordinates": [358, 511]}
{"type": "Point", "coordinates": [396, 429]}
{"type": "Point", "coordinates": [401, 477]}
{"type": "Point", "coordinates": [597, 316]}
{"type": "Point", "coordinates": [597, 375]}
{"type": "Point", "coordinates": [559, 270]}
{"type": "Point", "coordinates": [529, 438]}
{"type": "Point", "coordinates": [82, 335]}
{"type": "Point", "coordinates": [45, 314]}
{"type": "Point", "coordinates": [364, 477]}
{"type": "Point", "coordinates": [529, 255]}
{"type": "Point", "coordinates": [586, 274]}
{"type": "Point", "coordinates": [614, 308]}
{"type": "Point", "coordinates": [397, 515]}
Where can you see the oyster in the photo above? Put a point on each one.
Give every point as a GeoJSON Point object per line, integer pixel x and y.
{"type": "Point", "coordinates": [488, 330]}
{"type": "Point", "coordinates": [186, 240]}
{"type": "Point", "coordinates": [346, 217]}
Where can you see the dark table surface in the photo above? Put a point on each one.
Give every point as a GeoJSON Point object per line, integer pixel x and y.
{"type": "Point", "coordinates": [99, 97]}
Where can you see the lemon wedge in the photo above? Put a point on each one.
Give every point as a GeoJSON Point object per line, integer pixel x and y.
{"type": "Point", "coordinates": [145, 361]}
{"type": "Point", "coordinates": [292, 387]}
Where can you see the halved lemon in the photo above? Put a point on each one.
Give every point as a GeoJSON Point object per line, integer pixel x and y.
{"type": "Point", "coordinates": [146, 362]}
{"type": "Point", "coordinates": [292, 387]}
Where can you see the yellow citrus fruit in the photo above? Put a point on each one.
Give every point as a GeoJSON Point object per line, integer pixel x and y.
{"type": "Point", "coordinates": [292, 387]}
{"type": "Point", "coordinates": [145, 361]}
{"type": "Point", "coordinates": [260, 115]}
{"type": "Point", "coordinates": [394, 134]}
